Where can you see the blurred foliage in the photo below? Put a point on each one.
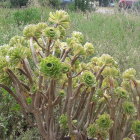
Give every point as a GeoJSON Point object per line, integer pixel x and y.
{"type": "Point", "coordinates": [25, 16]}
{"type": "Point", "coordinates": [12, 122]}
{"type": "Point", "coordinates": [18, 3]}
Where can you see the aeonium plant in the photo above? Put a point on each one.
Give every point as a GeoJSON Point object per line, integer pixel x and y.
{"type": "Point", "coordinates": [66, 92]}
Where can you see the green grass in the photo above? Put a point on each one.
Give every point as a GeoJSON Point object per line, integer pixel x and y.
{"type": "Point", "coordinates": [117, 35]}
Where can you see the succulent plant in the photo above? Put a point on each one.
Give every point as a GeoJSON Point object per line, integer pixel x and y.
{"type": "Point", "coordinates": [54, 79]}
{"type": "Point", "coordinates": [88, 78]}
{"type": "Point", "coordinates": [29, 31]}
{"type": "Point", "coordinates": [136, 127]}
{"type": "Point", "coordinates": [104, 122]}
{"type": "Point", "coordinates": [63, 121]}
{"type": "Point", "coordinates": [92, 130]}
{"type": "Point", "coordinates": [51, 67]}
{"type": "Point", "coordinates": [121, 93]}
{"type": "Point", "coordinates": [51, 33]}
{"type": "Point", "coordinates": [60, 18]}
{"type": "Point", "coordinates": [129, 108]}
{"type": "Point", "coordinates": [79, 36]}
{"type": "Point", "coordinates": [89, 48]}
{"type": "Point", "coordinates": [129, 74]}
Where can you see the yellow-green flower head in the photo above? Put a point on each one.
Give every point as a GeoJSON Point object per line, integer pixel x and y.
{"type": "Point", "coordinates": [89, 49]}
{"type": "Point", "coordinates": [4, 78]}
{"type": "Point", "coordinates": [60, 18]}
{"type": "Point", "coordinates": [95, 60]}
{"type": "Point", "coordinates": [129, 108]}
{"type": "Point", "coordinates": [88, 78]}
{"type": "Point", "coordinates": [3, 63]}
{"type": "Point", "coordinates": [62, 32]}
{"type": "Point", "coordinates": [96, 69]}
{"type": "Point", "coordinates": [51, 67]}
{"type": "Point", "coordinates": [136, 127]}
{"type": "Point", "coordinates": [16, 40]}
{"type": "Point", "coordinates": [42, 26]}
{"type": "Point", "coordinates": [29, 31]}
{"type": "Point", "coordinates": [129, 74]}
{"type": "Point", "coordinates": [39, 29]}
{"type": "Point", "coordinates": [52, 33]}
{"type": "Point", "coordinates": [126, 85]}
{"type": "Point", "coordinates": [62, 93]}
{"type": "Point", "coordinates": [78, 49]}
{"type": "Point", "coordinates": [71, 42]}
{"type": "Point", "coordinates": [79, 36]}
{"type": "Point", "coordinates": [92, 130]}
{"type": "Point", "coordinates": [107, 59]}
{"type": "Point", "coordinates": [63, 45]}
{"type": "Point", "coordinates": [18, 53]}
{"type": "Point", "coordinates": [110, 72]}
{"type": "Point", "coordinates": [121, 93]}
{"type": "Point", "coordinates": [104, 122]}
{"type": "Point", "coordinates": [65, 67]}
{"type": "Point", "coordinates": [4, 49]}
{"type": "Point", "coordinates": [127, 138]}
{"type": "Point", "coordinates": [83, 66]}
{"type": "Point", "coordinates": [63, 121]}
{"type": "Point", "coordinates": [108, 83]}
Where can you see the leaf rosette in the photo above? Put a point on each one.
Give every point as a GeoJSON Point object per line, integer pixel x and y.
{"type": "Point", "coordinates": [136, 127]}
{"type": "Point", "coordinates": [89, 79]}
{"type": "Point", "coordinates": [129, 108]}
{"type": "Point", "coordinates": [52, 33]}
{"type": "Point", "coordinates": [121, 93]}
{"type": "Point", "coordinates": [104, 122]}
{"type": "Point", "coordinates": [129, 74]}
{"type": "Point", "coordinates": [51, 67]}
{"type": "Point", "coordinates": [60, 18]}
{"type": "Point", "coordinates": [92, 130]}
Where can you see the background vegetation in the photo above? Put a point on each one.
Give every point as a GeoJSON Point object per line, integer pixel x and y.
{"type": "Point", "coordinates": [117, 35]}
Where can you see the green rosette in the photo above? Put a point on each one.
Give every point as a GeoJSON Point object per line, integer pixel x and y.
{"type": "Point", "coordinates": [89, 79]}
{"type": "Point", "coordinates": [121, 93]}
{"type": "Point", "coordinates": [60, 18]}
{"type": "Point", "coordinates": [52, 33]}
{"type": "Point", "coordinates": [104, 122]}
{"type": "Point", "coordinates": [92, 130]}
{"type": "Point", "coordinates": [51, 67]}
{"type": "Point", "coordinates": [63, 121]}
{"type": "Point", "coordinates": [136, 127]}
{"type": "Point", "coordinates": [129, 108]}
{"type": "Point", "coordinates": [129, 74]}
